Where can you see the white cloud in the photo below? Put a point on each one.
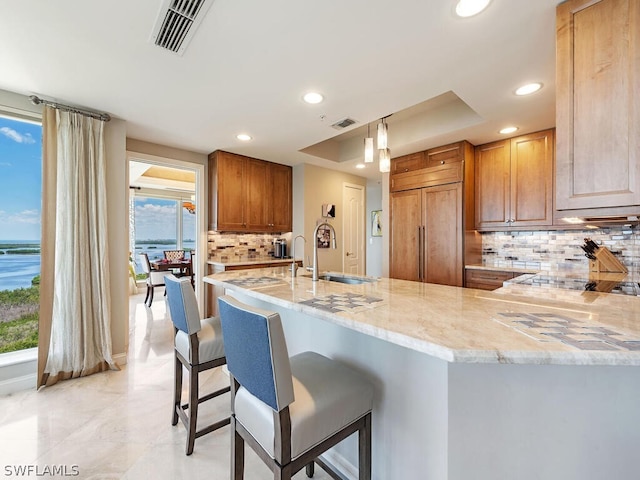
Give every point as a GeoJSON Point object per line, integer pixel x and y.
{"type": "Point", "coordinates": [15, 136]}
{"type": "Point", "coordinates": [5, 164]}
{"type": "Point", "coordinates": [26, 216]}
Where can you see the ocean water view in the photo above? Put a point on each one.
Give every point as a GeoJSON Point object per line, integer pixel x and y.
{"type": "Point", "coordinates": [18, 269]}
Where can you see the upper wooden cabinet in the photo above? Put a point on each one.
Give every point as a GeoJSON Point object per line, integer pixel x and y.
{"type": "Point", "coordinates": [249, 195]}
{"type": "Point", "coordinates": [436, 166]}
{"type": "Point", "coordinates": [514, 182]}
{"type": "Point", "coordinates": [407, 163]}
{"type": "Point", "coordinates": [598, 107]}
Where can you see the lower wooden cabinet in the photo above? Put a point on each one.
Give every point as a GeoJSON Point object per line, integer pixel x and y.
{"type": "Point", "coordinates": [487, 279]}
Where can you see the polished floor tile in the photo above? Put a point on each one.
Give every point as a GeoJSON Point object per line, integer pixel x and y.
{"type": "Point", "coordinates": [117, 424]}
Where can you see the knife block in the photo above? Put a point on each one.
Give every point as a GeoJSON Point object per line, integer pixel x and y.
{"type": "Point", "coordinates": [606, 262]}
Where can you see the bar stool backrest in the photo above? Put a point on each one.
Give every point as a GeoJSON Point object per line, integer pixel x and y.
{"type": "Point", "coordinates": [256, 352]}
{"type": "Point", "coordinates": [183, 305]}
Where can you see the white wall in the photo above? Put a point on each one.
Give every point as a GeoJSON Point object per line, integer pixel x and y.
{"type": "Point", "coordinates": [374, 244]}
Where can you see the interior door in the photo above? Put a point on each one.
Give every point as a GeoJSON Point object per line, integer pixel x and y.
{"type": "Point", "coordinates": [353, 229]}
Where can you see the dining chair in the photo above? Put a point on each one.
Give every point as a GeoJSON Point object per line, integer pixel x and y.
{"type": "Point", "coordinates": [289, 410]}
{"type": "Point", "coordinates": [154, 279]}
{"type": "Point", "coordinates": [174, 255]}
{"type": "Point", "coordinates": [198, 347]}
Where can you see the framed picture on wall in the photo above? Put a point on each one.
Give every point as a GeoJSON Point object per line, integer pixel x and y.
{"type": "Point", "coordinates": [324, 237]}
{"type": "Point", "coordinates": [376, 223]}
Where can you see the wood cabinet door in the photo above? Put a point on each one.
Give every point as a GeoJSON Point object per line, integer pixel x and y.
{"type": "Point", "coordinates": [453, 153]}
{"type": "Point", "coordinates": [258, 196]}
{"type": "Point", "coordinates": [443, 235]}
{"type": "Point", "coordinates": [231, 193]}
{"type": "Point", "coordinates": [531, 198]}
{"type": "Point", "coordinates": [492, 184]}
{"type": "Point", "coordinates": [407, 163]}
{"type": "Point", "coordinates": [597, 104]}
{"type": "Point", "coordinates": [279, 193]}
{"type": "Point", "coordinates": [405, 232]}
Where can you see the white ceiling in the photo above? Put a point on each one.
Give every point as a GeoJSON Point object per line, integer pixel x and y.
{"type": "Point", "coordinates": [251, 61]}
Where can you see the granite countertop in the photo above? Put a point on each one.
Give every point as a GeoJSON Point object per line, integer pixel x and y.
{"type": "Point", "coordinates": [459, 324]}
{"type": "Point", "coordinates": [501, 268]}
{"type": "Point", "coordinates": [240, 261]}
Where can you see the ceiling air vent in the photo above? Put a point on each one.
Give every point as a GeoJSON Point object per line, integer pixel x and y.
{"type": "Point", "coordinates": [347, 122]}
{"type": "Point", "coordinates": [177, 22]}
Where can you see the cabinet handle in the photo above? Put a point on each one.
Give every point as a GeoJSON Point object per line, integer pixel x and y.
{"type": "Point", "coordinates": [441, 162]}
{"type": "Point", "coordinates": [419, 253]}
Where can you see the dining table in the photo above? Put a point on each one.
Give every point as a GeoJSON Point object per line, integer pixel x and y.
{"type": "Point", "coordinates": [183, 267]}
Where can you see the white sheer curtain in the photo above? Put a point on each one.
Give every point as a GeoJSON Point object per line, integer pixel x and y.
{"type": "Point", "coordinates": [75, 338]}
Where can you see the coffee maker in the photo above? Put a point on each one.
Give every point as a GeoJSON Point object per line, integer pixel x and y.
{"type": "Point", "coordinates": [280, 248]}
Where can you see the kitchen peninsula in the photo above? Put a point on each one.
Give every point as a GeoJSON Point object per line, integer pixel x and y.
{"type": "Point", "coordinates": [472, 384]}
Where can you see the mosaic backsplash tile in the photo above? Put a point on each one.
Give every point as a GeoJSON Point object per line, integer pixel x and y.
{"type": "Point", "coordinates": [558, 249]}
{"type": "Point", "coordinates": [233, 246]}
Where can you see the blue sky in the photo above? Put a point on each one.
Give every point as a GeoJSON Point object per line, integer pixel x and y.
{"type": "Point", "coordinates": [20, 180]}
{"type": "Point", "coordinates": [21, 190]}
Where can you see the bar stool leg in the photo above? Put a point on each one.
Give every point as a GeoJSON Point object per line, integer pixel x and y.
{"type": "Point", "coordinates": [310, 469]}
{"type": "Point", "coordinates": [364, 449]}
{"type": "Point", "coordinates": [237, 453]}
{"type": "Point", "coordinates": [193, 409]}
{"type": "Point", "coordinates": [177, 391]}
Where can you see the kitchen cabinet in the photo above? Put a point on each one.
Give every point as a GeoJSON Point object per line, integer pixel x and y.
{"type": "Point", "coordinates": [249, 195]}
{"type": "Point", "coordinates": [487, 279]}
{"type": "Point", "coordinates": [407, 163]}
{"type": "Point", "coordinates": [429, 228]}
{"type": "Point", "coordinates": [514, 182]}
{"type": "Point", "coordinates": [598, 107]}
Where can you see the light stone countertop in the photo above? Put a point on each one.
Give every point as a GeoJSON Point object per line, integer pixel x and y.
{"type": "Point", "coordinates": [242, 261]}
{"type": "Point", "coordinates": [463, 325]}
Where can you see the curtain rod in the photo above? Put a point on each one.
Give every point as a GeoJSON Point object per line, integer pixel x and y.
{"type": "Point", "coordinates": [105, 117]}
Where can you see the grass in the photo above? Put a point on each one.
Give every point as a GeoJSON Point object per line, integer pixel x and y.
{"type": "Point", "coordinates": [19, 334]}
{"type": "Point", "coordinates": [19, 318]}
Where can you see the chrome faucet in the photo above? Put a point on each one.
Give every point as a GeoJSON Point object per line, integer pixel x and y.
{"type": "Point", "coordinates": [294, 265]}
{"type": "Point", "coordinates": [315, 246]}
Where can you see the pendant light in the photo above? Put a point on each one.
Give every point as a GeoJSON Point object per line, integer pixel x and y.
{"type": "Point", "coordinates": [382, 135]}
{"type": "Point", "coordinates": [385, 160]}
{"type": "Point", "coordinates": [368, 147]}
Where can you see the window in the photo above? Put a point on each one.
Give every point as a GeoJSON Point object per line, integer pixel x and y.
{"type": "Point", "coordinates": [20, 203]}
{"type": "Point", "coordinates": [162, 223]}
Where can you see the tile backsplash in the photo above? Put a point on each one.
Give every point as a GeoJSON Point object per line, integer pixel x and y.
{"type": "Point", "coordinates": [559, 249]}
{"type": "Point", "coordinates": [236, 246]}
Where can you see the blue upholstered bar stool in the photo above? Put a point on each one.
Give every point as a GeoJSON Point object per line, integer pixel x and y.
{"type": "Point", "coordinates": [199, 347]}
{"type": "Point", "coordinates": [289, 410]}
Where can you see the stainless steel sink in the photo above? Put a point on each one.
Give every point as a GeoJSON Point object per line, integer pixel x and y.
{"type": "Point", "coordinates": [340, 278]}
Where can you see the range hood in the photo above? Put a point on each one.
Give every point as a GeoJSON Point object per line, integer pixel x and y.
{"type": "Point", "coordinates": [602, 221]}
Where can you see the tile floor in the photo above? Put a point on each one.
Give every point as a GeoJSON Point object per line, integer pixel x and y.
{"type": "Point", "coordinates": [116, 424]}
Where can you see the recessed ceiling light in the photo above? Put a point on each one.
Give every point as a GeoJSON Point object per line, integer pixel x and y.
{"type": "Point", "coordinates": [469, 8]}
{"type": "Point", "coordinates": [244, 137]}
{"type": "Point", "coordinates": [529, 88]}
{"type": "Point", "coordinates": [313, 97]}
{"type": "Point", "coordinates": [360, 165]}
{"type": "Point", "coordinates": [508, 129]}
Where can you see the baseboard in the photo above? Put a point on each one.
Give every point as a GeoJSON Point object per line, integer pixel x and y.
{"type": "Point", "coordinates": [18, 384]}
{"type": "Point", "coordinates": [337, 461]}
{"type": "Point", "coordinates": [120, 359]}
